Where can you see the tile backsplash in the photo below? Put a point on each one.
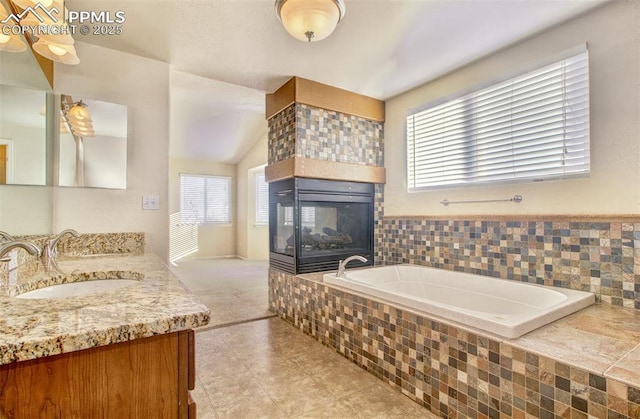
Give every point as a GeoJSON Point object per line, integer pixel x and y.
{"type": "Point", "coordinates": [602, 257]}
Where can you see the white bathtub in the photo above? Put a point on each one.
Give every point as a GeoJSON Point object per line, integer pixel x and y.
{"type": "Point", "coordinates": [506, 308]}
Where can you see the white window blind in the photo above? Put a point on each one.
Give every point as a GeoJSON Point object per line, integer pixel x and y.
{"type": "Point", "coordinates": [308, 217]}
{"type": "Point", "coordinates": [532, 127]}
{"type": "Point", "coordinates": [204, 199]}
{"type": "Point", "coordinates": [262, 200]}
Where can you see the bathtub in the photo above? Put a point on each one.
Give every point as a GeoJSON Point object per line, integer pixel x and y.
{"type": "Point", "coordinates": [505, 308]}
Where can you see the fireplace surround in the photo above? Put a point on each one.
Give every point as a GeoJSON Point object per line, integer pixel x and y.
{"type": "Point", "coordinates": [315, 223]}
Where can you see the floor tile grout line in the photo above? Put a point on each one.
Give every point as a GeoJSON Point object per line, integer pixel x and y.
{"type": "Point", "coordinates": [230, 324]}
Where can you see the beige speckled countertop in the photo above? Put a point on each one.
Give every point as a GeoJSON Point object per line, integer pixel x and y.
{"type": "Point", "coordinates": [602, 339]}
{"type": "Point", "coordinates": [158, 304]}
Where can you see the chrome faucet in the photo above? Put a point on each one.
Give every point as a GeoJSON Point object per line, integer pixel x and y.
{"type": "Point", "coordinates": [6, 236]}
{"type": "Point", "coordinates": [9, 246]}
{"type": "Point", "coordinates": [50, 252]}
{"type": "Point", "coordinates": [343, 263]}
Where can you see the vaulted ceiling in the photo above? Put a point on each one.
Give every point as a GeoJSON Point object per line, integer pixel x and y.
{"type": "Point", "coordinates": [380, 49]}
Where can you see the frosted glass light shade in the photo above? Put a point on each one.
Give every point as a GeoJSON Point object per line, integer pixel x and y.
{"type": "Point", "coordinates": [63, 37]}
{"type": "Point", "coordinates": [65, 54]}
{"type": "Point", "coordinates": [79, 123]}
{"type": "Point", "coordinates": [23, 4]}
{"type": "Point", "coordinates": [310, 20]}
{"type": "Point", "coordinates": [11, 43]}
{"type": "Point", "coordinates": [79, 112]}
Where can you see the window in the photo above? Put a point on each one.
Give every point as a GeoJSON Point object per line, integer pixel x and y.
{"type": "Point", "coordinates": [307, 216]}
{"type": "Point", "coordinates": [532, 127]}
{"type": "Point", "coordinates": [262, 200]}
{"type": "Point", "coordinates": [205, 199]}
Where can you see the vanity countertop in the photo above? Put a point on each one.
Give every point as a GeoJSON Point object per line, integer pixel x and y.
{"type": "Point", "coordinates": [158, 304]}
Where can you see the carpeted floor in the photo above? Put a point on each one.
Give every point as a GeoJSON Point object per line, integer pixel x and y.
{"type": "Point", "coordinates": [235, 290]}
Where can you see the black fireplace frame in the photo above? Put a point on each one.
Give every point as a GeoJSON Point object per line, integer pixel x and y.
{"type": "Point", "coordinates": [298, 190]}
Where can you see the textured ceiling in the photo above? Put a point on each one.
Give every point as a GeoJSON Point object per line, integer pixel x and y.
{"type": "Point", "coordinates": [380, 49]}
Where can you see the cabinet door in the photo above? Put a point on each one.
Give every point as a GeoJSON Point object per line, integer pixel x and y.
{"type": "Point", "coordinates": [137, 379]}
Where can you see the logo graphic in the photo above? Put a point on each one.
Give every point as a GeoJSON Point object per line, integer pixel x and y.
{"type": "Point", "coordinates": [50, 14]}
{"type": "Point", "coordinates": [51, 21]}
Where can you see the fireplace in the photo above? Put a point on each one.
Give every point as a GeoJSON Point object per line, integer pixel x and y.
{"type": "Point", "coordinates": [314, 223]}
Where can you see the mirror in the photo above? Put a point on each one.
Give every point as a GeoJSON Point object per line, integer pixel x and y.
{"type": "Point", "coordinates": [25, 209]}
{"type": "Point", "coordinates": [92, 147]}
{"type": "Point", "coordinates": [23, 136]}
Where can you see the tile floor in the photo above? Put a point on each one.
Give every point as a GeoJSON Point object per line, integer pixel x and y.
{"type": "Point", "coordinates": [251, 367]}
{"type": "Point", "coordinates": [268, 369]}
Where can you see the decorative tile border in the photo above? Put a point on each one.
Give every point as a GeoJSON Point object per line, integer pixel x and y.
{"type": "Point", "coordinates": [600, 257]}
{"type": "Point", "coordinates": [452, 372]}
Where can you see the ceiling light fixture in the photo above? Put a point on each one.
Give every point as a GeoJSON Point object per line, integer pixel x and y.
{"type": "Point", "coordinates": [8, 41]}
{"type": "Point", "coordinates": [23, 4]}
{"type": "Point", "coordinates": [310, 20]}
{"type": "Point", "coordinates": [65, 54]}
{"type": "Point", "coordinates": [56, 45]}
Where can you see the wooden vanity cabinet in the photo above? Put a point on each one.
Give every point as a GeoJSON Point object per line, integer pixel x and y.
{"type": "Point", "coordinates": [142, 378]}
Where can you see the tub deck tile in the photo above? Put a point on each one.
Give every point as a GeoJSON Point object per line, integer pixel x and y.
{"type": "Point", "coordinates": [594, 339]}
{"type": "Point", "coordinates": [627, 369]}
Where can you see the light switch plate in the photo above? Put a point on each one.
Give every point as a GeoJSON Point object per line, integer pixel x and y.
{"type": "Point", "coordinates": [150, 202]}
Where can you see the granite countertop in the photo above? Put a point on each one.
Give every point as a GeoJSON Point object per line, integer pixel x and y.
{"type": "Point", "coordinates": [158, 304]}
{"type": "Point", "coordinates": [602, 339]}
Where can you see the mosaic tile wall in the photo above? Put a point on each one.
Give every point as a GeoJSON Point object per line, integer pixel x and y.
{"type": "Point", "coordinates": [602, 257]}
{"type": "Point", "coordinates": [452, 372]}
{"type": "Point", "coordinates": [282, 135]}
{"type": "Point", "coordinates": [334, 136]}
{"type": "Point", "coordinates": [315, 133]}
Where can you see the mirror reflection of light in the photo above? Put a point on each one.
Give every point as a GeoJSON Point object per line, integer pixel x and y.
{"type": "Point", "coordinates": [79, 112]}
{"type": "Point", "coordinates": [57, 50]}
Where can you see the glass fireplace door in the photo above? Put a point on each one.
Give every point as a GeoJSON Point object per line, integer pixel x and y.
{"type": "Point", "coordinates": [314, 223]}
{"type": "Point", "coordinates": [333, 227]}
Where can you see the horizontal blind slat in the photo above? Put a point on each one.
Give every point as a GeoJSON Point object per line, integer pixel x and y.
{"type": "Point", "coordinates": [533, 126]}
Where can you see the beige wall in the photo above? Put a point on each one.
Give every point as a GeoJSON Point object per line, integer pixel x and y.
{"type": "Point", "coordinates": [612, 34]}
{"type": "Point", "coordinates": [142, 85]}
{"type": "Point", "coordinates": [253, 240]}
{"type": "Point", "coordinates": [25, 209]}
{"type": "Point", "coordinates": [212, 240]}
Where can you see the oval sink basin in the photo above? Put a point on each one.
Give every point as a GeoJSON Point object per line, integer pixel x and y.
{"type": "Point", "coordinates": [74, 289]}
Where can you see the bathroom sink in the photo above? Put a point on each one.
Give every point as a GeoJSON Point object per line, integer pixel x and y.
{"type": "Point", "coordinates": [74, 289]}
